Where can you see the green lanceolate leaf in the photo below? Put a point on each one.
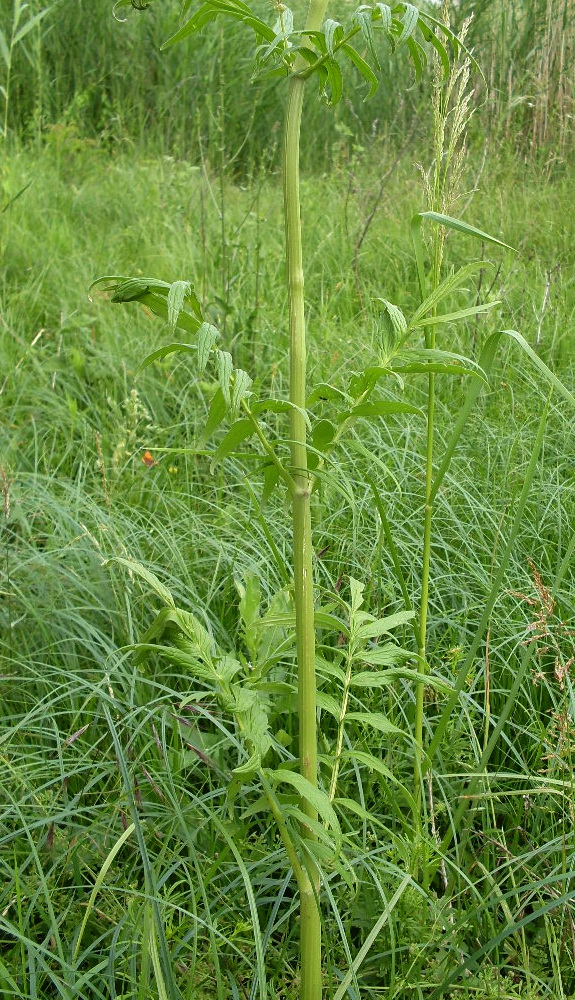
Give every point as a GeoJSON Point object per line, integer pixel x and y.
{"type": "Point", "coordinates": [179, 291]}
{"type": "Point", "coordinates": [163, 352]}
{"type": "Point", "coordinates": [224, 366]}
{"type": "Point", "coordinates": [380, 408]}
{"type": "Point", "coordinates": [216, 413]}
{"type": "Point", "coordinates": [211, 10]}
{"type": "Point", "coordinates": [459, 314]}
{"type": "Point", "coordinates": [363, 68]}
{"type": "Point", "coordinates": [242, 384]}
{"type": "Point", "coordinates": [363, 18]}
{"type": "Point", "coordinates": [316, 798]}
{"type": "Point", "coordinates": [383, 626]}
{"type": "Point", "coordinates": [384, 11]}
{"type": "Point", "coordinates": [418, 361]}
{"type": "Point", "coordinates": [387, 654]}
{"type": "Point", "coordinates": [375, 720]}
{"type": "Point", "coordinates": [238, 432]}
{"type": "Point", "coordinates": [328, 703]}
{"type": "Point", "coordinates": [207, 337]}
{"type": "Point", "coordinates": [408, 23]}
{"type": "Point", "coordinates": [333, 33]}
{"type": "Point", "coordinates": [418, 58]}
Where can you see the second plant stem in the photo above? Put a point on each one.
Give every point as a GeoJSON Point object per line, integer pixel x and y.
{"type": "Point", "coordinates": [310, 920]}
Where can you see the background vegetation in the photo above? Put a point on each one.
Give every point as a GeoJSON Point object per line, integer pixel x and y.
{"type": "Point", "coordinates": [128, 168]}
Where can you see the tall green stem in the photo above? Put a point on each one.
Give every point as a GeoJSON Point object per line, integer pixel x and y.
{"type": "Point", "coordinates": [310, 921]}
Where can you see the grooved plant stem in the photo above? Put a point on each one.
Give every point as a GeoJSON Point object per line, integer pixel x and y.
{"type": "Point", "coordinates": [310, 920]}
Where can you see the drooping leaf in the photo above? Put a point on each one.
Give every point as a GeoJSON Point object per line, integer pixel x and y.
{"type": "Point", "coordinates": [333, 32]}
{"type": "Point", "coordinates": [224, 367]}
{"type": "Point", "coordinates": [418, 58]}
{"type": "Point", "coordinates": [408, 23]}
{"type": "Point", "coordinates": [179, 291]}
{"type": "Point", "coordinates": [363, 18]}
{"type": "Point", "coordinates": [363, 68]}
{"type": "Point", "coordinates": [242, 384]}
{"type": "Point", "coordinates": [211, 10]}
{"type": "Point", "coordinates": [207, 337]}
{"type": "Point", "coordinates": [145, 574]}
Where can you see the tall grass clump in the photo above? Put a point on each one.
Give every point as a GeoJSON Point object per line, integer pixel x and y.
{"type": "Point", "coordinates": [294, 775]}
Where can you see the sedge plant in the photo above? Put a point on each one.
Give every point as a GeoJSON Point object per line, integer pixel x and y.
{"type": "Point", "coordinates": [324, 633]}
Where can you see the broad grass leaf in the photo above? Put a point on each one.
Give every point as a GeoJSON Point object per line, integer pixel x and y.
{"type": "Point", "coordinates": [238, 432]}
{"type": "Point", "coordinates": [4, 51]}
{"type": "Point", "coordinates": [23, 31]}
